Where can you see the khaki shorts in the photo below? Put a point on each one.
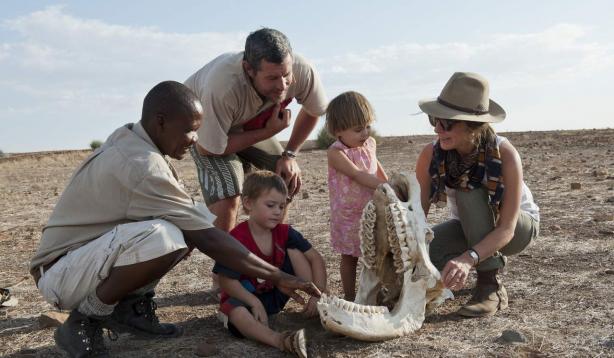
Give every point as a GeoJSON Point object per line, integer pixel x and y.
{"type": "Point", "coordinates": [79, 272]}
{"type": "Point", "coordinates": [221, 177]}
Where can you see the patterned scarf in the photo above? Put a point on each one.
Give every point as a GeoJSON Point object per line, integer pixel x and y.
{"type": "Point", "coordinates": [449, 169]}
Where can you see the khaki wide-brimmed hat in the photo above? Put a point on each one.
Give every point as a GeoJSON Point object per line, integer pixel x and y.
{"type": "Point", "coordinates": [465, 98]}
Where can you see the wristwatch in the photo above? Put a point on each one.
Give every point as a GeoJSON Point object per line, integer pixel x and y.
{"type": "Point", "coordinates": [289, 153]}
{"type": "Point", "coordinates": [474, 255]}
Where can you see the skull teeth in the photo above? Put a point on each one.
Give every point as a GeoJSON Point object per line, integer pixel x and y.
{"type": "Point", "coordinates": [405, 236]}
{"type": "Point", "coordinates": [348, 306]}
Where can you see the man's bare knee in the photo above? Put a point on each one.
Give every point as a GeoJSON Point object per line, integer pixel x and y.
{"type": "Point", "coordinates": [226, 211]}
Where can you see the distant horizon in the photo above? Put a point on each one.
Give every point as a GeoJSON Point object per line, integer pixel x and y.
{"type": "Point", "coordinates": [74, 71]}
{"type": "Point", "coordinates": [311, 140]}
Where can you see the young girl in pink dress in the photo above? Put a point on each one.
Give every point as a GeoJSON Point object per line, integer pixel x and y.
{"type": "Point", "coordinates": [353, 174]}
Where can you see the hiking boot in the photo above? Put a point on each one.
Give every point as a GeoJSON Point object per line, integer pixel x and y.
{"type": "Point", "coordinates": [81, 336]}
{"type": "Point", "coordinates": [137, 315]}
{"type": "Point", "coordinates": [489, 296]}
{"type": "Point", "coordinates": [295, 343]}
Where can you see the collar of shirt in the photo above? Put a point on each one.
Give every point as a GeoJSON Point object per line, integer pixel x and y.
{"type": "Point", "coordinates": [137, 128]}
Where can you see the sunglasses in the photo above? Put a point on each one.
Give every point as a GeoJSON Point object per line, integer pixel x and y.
{"type": "Point", "coordinates": [446, 124]}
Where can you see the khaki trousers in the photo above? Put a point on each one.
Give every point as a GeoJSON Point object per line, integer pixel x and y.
{"type": "Point", "coordinates": [454, 237]}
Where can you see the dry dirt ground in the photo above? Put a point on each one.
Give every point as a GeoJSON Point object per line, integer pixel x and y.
{"type": "Point", "coordinates": [560, 288]}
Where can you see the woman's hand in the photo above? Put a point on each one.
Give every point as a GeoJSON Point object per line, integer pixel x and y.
{"type": "Point", "coordinates": [456, 271]}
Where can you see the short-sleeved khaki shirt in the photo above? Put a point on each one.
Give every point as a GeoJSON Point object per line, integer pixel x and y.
{"type": "Point", "coordinates": [229, 99]}
{"type": "Point", "coordinates": [127, 179]}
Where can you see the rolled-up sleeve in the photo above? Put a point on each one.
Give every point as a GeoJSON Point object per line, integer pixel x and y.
{"type": "Point", "coordinates": [310, 91]}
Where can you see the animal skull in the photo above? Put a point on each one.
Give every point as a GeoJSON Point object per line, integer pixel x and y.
{"type": "Point", "coordinates": [398, 282]}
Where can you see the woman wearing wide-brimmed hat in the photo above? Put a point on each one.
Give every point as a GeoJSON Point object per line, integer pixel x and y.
{"type": "Point", "coordinates": [479, 175]}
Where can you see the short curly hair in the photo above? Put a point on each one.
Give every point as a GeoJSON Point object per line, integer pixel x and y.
{"type": "Point", "coordinates": [261, 181]}
{"type": "Point", "coordinates": [266, 44]}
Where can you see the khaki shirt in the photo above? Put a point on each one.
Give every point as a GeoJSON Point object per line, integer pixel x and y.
{"type": "Point", "coordinates": [229, 99]}
{"type": "Point", "coordinates": [126, 180]}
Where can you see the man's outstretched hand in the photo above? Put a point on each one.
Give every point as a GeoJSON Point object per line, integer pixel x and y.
{"type": "Point", "coordinates": [289, 284]}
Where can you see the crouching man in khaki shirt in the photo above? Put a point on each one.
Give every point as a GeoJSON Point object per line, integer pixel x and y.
{"type": "Point", "coordinates": [124, 221]}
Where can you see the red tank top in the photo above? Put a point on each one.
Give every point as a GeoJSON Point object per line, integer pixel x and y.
{"type": "Point", "coordinates": [279, 239]}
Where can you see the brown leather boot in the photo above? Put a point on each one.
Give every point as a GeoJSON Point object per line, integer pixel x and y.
{"type": "Point", "coordinates": [489, 296]}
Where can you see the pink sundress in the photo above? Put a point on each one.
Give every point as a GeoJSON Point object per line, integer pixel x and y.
{"type": "Point", "coordinates": [348, 198]}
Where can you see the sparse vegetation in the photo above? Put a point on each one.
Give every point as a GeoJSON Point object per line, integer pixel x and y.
{"type": "Point", "coordinates": [559, 287]}
{"type": "Point", "coordinates": [324, 139]}
{"type": "Point", "coordinates": [95, 144]}
{"type": "Point", "coordinates": [2, 155]}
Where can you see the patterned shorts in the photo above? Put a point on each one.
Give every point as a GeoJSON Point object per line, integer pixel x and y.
{"type": "Point", "coordinates": [221, 177]}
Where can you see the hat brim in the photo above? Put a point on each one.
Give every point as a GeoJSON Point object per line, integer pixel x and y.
{"type": "Point", "coordinates": [433, 108]}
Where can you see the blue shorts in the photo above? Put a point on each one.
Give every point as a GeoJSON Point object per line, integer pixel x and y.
{"type": "Point", "coordinates": [273, 301]}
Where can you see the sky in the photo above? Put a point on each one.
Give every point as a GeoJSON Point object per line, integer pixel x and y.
{"type": "Point", "coordinates": [73, 71]}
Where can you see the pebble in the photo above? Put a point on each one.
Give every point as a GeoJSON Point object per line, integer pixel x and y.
{"type": "Point", "coordinates": [606, 232]}
{"type": "Point", "coordinates": [603, 217]}
{"type": "Point", "coordinates": [601, 172]}
{"type": "Point", "coordinates": [609, 272]}
{"type": "Point", "coordinates": [610, 199]}
{"type": "Point", "coordinates": [511, 336]}
{"type": "Point", "coordinates": [575, 186]}
{"type": "Point", "coordinates": [51, 319]}
{"type": "Point", "coordinates": [554, 227]}
{"type": "Point", "coordinates": [305, 194]}
{"type": "Point", "coordinates": [321, 190]}
{"type": "Point", "coordinates": [206, 349]}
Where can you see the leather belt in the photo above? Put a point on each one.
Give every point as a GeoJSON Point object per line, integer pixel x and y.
{"type": "Point", "coordinates": [44, 268]}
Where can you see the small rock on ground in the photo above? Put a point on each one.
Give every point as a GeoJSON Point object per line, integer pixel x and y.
{"type": "Point", "coordinates": [576, 186]}
{"type": "Point", "coordinates": [206, 349]}
{"type": "Point", "coordinates": [511, 336]}
{"type": "Point", "coordinates": [608, 344]}
{"type": "Point", "coordinates": [602, 217]}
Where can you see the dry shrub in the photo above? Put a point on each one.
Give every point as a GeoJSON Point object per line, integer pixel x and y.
{"type": "Point", "coordinates": [95, 144]}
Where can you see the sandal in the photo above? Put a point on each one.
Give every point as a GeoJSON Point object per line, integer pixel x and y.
{"type": "Point", "coordinates": [295, 342]}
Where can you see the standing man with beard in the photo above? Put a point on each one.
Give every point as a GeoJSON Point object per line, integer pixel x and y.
{"type": "Point", "coordinates": [244, 96]}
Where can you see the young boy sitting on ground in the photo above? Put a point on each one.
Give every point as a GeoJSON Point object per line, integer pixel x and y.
{"type": "Point", "coordinates": [246, 301]}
